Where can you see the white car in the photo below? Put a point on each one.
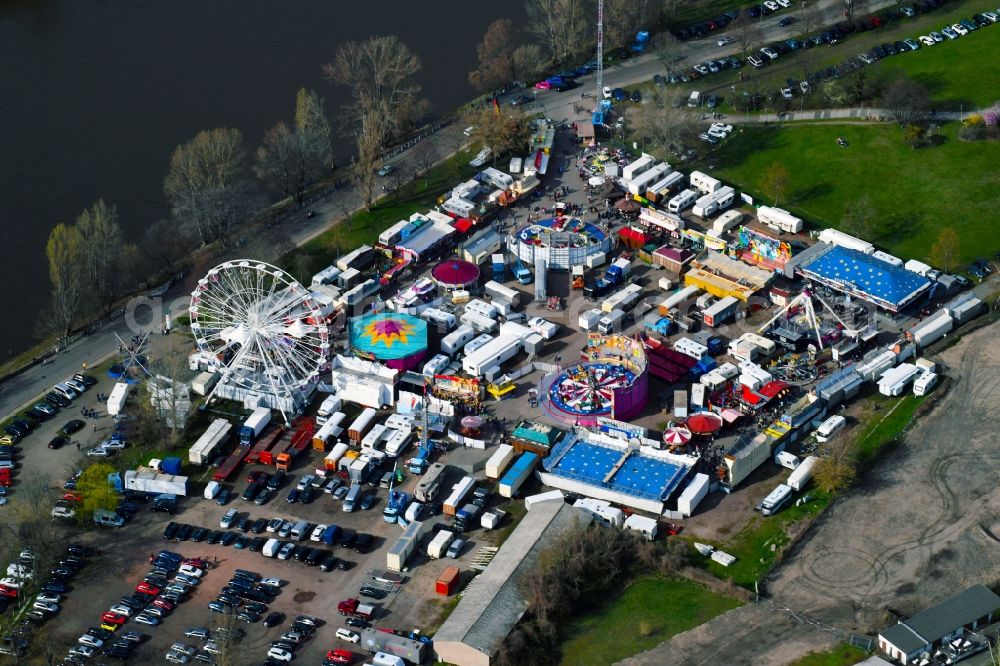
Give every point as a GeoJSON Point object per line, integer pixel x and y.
{"type": "Point", "coordinates": [46, 606]}
{"type": "Point", "coordinates": [348, 635]}
{"type": "Point", "coordinates": [122, 609]}
{"type": "Point", "coordinates": [481, 158]}
{"type": "Point", "coordinates": [82, 651]}
{"type": "Point", "coordinates": [177, 658]}
{"type": "Point", "coordinates": [469, 131]}
{"type": "Point", "coordinates": [99, 452]}
{"type": "Point", "coordinates": [786, 93]}
{"type": "Point", "coordinates": [728, 39]}
{"type": "Point", "coordinates": [769, 52]}
{"type": "Point", "coordinates": [279, 654]}
{"type": "Point", "coordinates": [784, 3]}
{"type": "Point", "coordinates": [286, 551]}
{"type": "Point", "coordinates": [18, 571]}
{"type": "Point", "coordinates": [804, 87]}
{"type": "Point", "coordinates": [717, 133]}
{"type": "Point", "coordinates": [721, 127]}
{"type": "Point", "coordinates": [271, 582]}
{"type": "Point", "coordinates": [305, 481]}
{"type": "Point", "coordinates": [772, 5]}
{"type": "Point", "coordinates": [317, 532]}
{"type": "Point", "coordinates": [183, 649]}
{"type": "Point", "coordinates": [926, 40]}
{"type": "Point", "coordinates": [606, 92]}
{"type": "Point", "coordinates": [960, 29]}
{"type": "Point", "coordinates": [189, 570]}
{"type": "Point", "coordinates": [993, 18]}
{"type": "Point", "coordinates": [147, 619]}
{"type": "Point", "coordinates": [50, 597]}
{"type": "Point", "coordinates": [212, 647]}
{"type": "Point", "coordinates": [274, 525]}
{"type": "Point", "coordinates": [90, 641]}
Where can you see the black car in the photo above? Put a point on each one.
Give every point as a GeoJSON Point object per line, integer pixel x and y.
{"type": "Point", "coordinates": [315, 557]}
{"type": "Point", "coordinates": [256, 607]}
{"type": "Point", "coordinates": [244, 524]}
{"type": "Point", "coordinates": [241, 542]}
{"type": "Point", "coordinates": [199, 534]}
{"type": "Point", "coordinates": [362, 543]}
{"type": "Point", "coordinates": [347, 538]}
{"type": "Point", "coordinates": [14, 431]}
{"type": "Point", "coordinates": [228, 538]}
{"type": "Point", "coordinates": [214, 537]}
{"type": "Point", "coordinates": [274, 619]}
{"type": "Point", "coordinates": [72, 426]}
{"type": "Point", "coordinates": [301, 553]}
{"type": "Point", "coordinates": [636, 96]}
{"type": "Point", "coordinates": [86, 380]}
{"type": "Point", "coordinates": [26, 423]}
{"type": "Point", "coordinates": [58, 442]}
{"type": "Point", "coordinates": [170, 531]}
{"type": "Point", "coordinates": [259, 525]}
{"type": "Point", "coordinates": [55, 399]}
{"type": "Point", "coordinates": [55, 587]}
{"type": "Point", "coordinates": [293, 496]}
{"type": "Point", "coordinates": [256, 544]}
{"type": "Point", "coordinates": [368, 501]}
{"type": "Point", "coordinates": [252, 491]}
{"type": "Point", "coordinates": [355, 622]}
{"type": "Point", "coordinates": [306, 495]}
{"type": "Point", "coordinates": [277, 480]}
{"type": "Point", "coordinates": [344, 565]}
{"type": "Point", "coordinates": [184, 532]}
{"type": "Point", "coordinates": [329, 564]}
{"type": "Point", "coordinates": [37, 414]}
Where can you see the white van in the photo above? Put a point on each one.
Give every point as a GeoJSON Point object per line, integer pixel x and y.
{"type": "Point", "coordinates": [299, 531]}
{"type": "Point", "coordinates": [212, 489]}
{"type": "Point", "coordinates": [352, 497]}
{"type": "Point", "coordinates": [924, 383]}
{"type": "Point", "coordinates": [826, 431]}
{"type": "Point", "coordinates": [695, 99]}
{"type": "Point", "coordinates": [65, 391]}
{"type": "Point", "coordinates": [682, 201]}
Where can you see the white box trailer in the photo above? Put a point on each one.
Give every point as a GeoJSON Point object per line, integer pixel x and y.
{"type": "Point", "coordinates": [531, 501]}
{"type": "Point", "coordinates": [693, 494]}
{"type": "Point", "coordinates": [689, 347]}
{"type": "Point", "coordinates": [640, 183]}
{"type": "Point", "coordinates": [679, 299]}
{"type": "Point", "coordinates": [501, 292]}
{"type": "Point", "coordinates": [480, 323]}
{"type": "Point", "coordinates": [779, 219]}
{"type": "Point", "coordinates": [439, 544]}
{"type": "Point", "coordinates": [203, 383]}
{"type": "Point", "coordinates": [834, 237]}
{"type": "Point", "coordinates": [876, 367]}
{"type": "Point", "coordinates": [543, 327]}
{"type": "Point", "coordinates": [481, 308]}
{"type": "Point", "coordinates": [704, 183]}
{"type": "Point", "coordinates": [647, 527]}
{"type": "Point", "coordinates": [398, 442]}
{"type": "Point", "coordinates": [931, 329]}
{"type": "Point", "coordinates": [458, 494]}
{"type": "Point", "coordinates": [400, 551]}
{"type": "Point", "coordinates": [116, 401]}
{"type": "Point", "coordinates": [633, 169]}
{"type": "Point", "coordinates": [712, 203]}
{"type": "Point", "coordinates": [918, 267]}
{"type": "Point", "coordinates": [800, 477]}
{"type": "Point", "coordinates": [452, 343]}
{"type": "Point", "coordinates": [588, 320]}
{"type": "Point", "coordinates": [728, 220]}
{"type": "Point", "coordinates": [204, 449]}
{"type": "Point", "coordinates": [682, 201]}
{"type": "Point", "coordinates": [439, 318]}
{"type": "Point", "coordinates": [623, 299]}
{"type": "Point", "coordinates": [895, 382]}
{"type": "Point", "coordinates": [499, 461]}
{"type": "Point", "coordinates": [601, 511]}
{"type": "Point", "coordinates": [492, 354]}
{"type": "Point", "coordinates": [887, 258]}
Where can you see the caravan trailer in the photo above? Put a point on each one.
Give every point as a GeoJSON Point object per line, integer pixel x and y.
{"type": "Point", "coordinates": [704, 183]}
{"type": "Point", "coordinates": [457, 339]}
{"type": "Point", "coordinates": [779, 220]}
{"type": "Point", "coordinates": [713, 202]}
{"type": "Point", "coordinates": [830, 427]}
{"type": "Point", "coordinates": [682, 201]}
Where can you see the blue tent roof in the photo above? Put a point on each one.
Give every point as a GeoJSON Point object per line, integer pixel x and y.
{"type": "Point", "coordinates": [866, 276]}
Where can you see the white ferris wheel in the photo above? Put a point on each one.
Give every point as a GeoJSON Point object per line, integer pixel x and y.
{"type": "Point", "coordinates": [263, 330]}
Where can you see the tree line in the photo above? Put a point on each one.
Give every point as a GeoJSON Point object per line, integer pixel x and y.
{"type": "Point", "coordinates": [215, 184]}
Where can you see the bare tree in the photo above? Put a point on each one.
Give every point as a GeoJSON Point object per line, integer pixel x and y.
{"type": "Point", "coordinates": [836, 470]}
{"type": "Point", "coordinates": [379, 73]}
{"type": "Point", "coordinates": [748, 34]}
{"type": "Point", "coordinates": [562, 26]}
{"type": "Point", "coordinates": [499, 131]}
{"type": "Point", "coordinates": [287, 162]}
{"type": "Point", "coordinates": [167, 243]}
{"type": "Point", "coordinates": [496, 65]}
{"type": "Point", "coordinates": [667, 50]}
{"type": "Point", "coordinates": [424, 156]}
{"type": "Point", "coordinates": [545, 23]}
{"type": "Point", "coordinates": [527, 62]}
{"type": "Point", "coordinates": [67, 273]}
{"type": "Point", "coordinates": [859, 217]}
{"type": "Point", "coordinates": [208, 182]}
{"type": "Point", "coordinates": [907, 101]}
{"type": "Point", "coordinates": [102, 240]}
{"type": "Point", "coordinates": [665, 129]}
{"type": "Point", "coordinates": [810, 18]}
{"type": "Point", "coordinates": [312, 122]}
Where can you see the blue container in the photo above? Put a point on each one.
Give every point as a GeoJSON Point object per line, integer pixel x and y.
{"type": "Point", "coordinates": [171, 466]}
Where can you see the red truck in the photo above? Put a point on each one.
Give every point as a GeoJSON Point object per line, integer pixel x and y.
{"type": "Point", "coordinates": [300, 442]}
{"type": "Point", "coordinates": [5, 477]}
{"type": "Point", "coordinates": [230, 464]}
{"type": "Point", "coordinates": [355, 608]}
{"type": "Point", "coordinates": [264, 442]}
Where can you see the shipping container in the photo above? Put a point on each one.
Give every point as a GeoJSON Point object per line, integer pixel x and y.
{"type": "Point", "coordinates": [518, 473]}
{"type": "Point", "coordinates": [531, 501]}
{"type": "Point", "coordinates": [361, 425]}
{"type": "Point", "coordinates": [211, 440]}
{"type": "Point", "coordinates": [447, 583]}
{"type": "Point", "coordinates": [693, 494]}
{"type": "Point", "coordinates": [498, 462]}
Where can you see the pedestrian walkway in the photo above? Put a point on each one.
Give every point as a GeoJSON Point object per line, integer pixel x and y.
{"type": "Point", "coordinates": [856, 114]}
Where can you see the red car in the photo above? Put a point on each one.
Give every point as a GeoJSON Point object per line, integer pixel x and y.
{"type": "Point", "coordinates": [196, 563]}
{"type": "Point", "coordinates": [113, 618]}
{"type": "Point", "coordinates": [340, 656]}
{"type": "Point", "coordinates": [73, 497]}
{"type": "Point", "coordinates": [8, 591]}
{"type": "Point", "coordinates": [164, 604]}
{"type": "Point", "coordinates": [147, 588]}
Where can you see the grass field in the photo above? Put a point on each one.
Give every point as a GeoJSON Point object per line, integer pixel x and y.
{"type": "Point", "coordinates": [914, 192]}
{"type": "Point", "coordinates": [886, 425]}
{"type": "Point", "coordinates": [842, 655]}
{"type": "Point", "coordinates": [648, 612]}
{"type": "Point", "coordinates": [752, 545]}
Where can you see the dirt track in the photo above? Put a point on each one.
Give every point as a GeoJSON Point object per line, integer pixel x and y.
{"type": "Point", "coordinates": [912, 534]}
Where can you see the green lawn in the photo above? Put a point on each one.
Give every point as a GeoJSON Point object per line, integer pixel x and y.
{"type": "Point", "coordinates": [842, 655]}
{"type": "Point", "coordinates": [752, 545]}
{"type": "Point", "coordinates": [914, 192]}
{"type": "Point", "coordinates": [648, 612]}
{"type": "Point", "coordinates": [886, 425]}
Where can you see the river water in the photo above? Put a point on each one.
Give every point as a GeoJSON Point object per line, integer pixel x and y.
{"type": "Point", "coordinates": [95, 95]}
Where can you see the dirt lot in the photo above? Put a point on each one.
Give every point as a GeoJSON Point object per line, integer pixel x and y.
{"type": "Point", "coordinates": [124, 562]}
{"type": "Point", "coordinates": [909, 536]}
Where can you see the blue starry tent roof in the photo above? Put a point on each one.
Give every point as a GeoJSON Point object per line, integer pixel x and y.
{"type": "Point", "coordinates": [864, 275]}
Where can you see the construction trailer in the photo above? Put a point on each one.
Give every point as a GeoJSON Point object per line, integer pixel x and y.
{"type": "Point", "coordinates": [647, 527]}
{"type": "Point", "coordinates": [693, 494]}
{"type": "Point", "coordinates": [499, 461]}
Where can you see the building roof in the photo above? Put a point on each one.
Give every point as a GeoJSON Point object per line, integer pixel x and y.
{"type": "Point", "coordinates": [455, 272]}
{"type": "Point", "coordinates": [862, 274]}
{"type": "Point", "coordinates": [389, 335]}
{"type": "Point", "coordinates": [932, 624]}
{"type": "Point", "coordinates": [494, 602]}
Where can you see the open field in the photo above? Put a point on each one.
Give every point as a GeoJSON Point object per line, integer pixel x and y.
{"type": "Point", "coordinates": [842, 655]}
{"type": "Point", "coordinates": [913, 192]}
{"type": "Point", "coordinates": [650, 610]}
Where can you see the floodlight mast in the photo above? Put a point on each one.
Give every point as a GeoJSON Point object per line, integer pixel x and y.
{"type": "Point", "coordinates": [600, 50]}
